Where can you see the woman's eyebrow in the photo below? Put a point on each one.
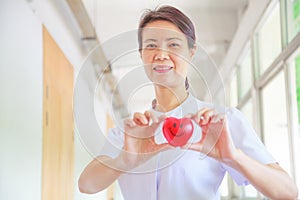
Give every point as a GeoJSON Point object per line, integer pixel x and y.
{"type": "Point", "coordinates": [168, 39]}
{"type": "Point", "coordinates": [173, 38]}
{"type": "Point", "coordinates": [150, 40]}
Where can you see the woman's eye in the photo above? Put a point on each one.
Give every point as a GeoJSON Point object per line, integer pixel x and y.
{"type": "Point", "coordinates": [150, 46]}
{"type": "Point", "coordinates": [174, 45]}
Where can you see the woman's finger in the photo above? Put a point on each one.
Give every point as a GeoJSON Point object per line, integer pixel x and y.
{"type": "Point", "coordinates": [130, 123]}
{"type": "Point", "coordinates": [140, 118]}
{"type": "Point", "coordinates": [160, 119]}
{"type": "Point", "coordinates": [217, 118]}
{"type": "Point", "coordinates": [198, 114]}
{"type": "Point", "coordinates": [151, 116]}
{"type": "Point", "coordinates": [203, 116]}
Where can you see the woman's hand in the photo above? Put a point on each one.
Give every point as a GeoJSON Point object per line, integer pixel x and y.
{"type": "Point", "coordinates": [216, 140]}
{"type": "Point", "coordinates": [139, 143]}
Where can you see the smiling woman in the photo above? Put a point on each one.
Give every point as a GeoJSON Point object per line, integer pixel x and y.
{"type": "Point", "coordinates": [166, 55]}
{"type": "Point", "coordinates": [147, 165]}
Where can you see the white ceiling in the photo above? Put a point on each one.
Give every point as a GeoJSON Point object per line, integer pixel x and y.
{"type": "Point", "coordinates": [215, 21]}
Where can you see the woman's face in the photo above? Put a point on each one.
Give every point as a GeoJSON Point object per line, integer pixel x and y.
{"type": "Point", "coordinates": [165, 53]}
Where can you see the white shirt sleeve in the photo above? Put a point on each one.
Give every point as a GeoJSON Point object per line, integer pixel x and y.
{"type": "Point", "coordinates": [113, 144]}
{"type": "Point", "coordinates": [245, 138]}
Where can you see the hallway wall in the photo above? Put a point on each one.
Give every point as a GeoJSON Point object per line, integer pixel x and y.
{"type": "Point", "coordinates": [20, 101]}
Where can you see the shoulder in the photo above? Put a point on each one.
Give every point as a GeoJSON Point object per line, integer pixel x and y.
{"type": "Point", "coordinates": [235, 116]}
{"type": "Point", "coordinates": [242, 132]}
{"type": "Point", "coordinates": [232, 111]}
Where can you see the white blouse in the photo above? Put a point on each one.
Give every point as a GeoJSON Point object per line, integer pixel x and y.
{"type": "Point", "coordinates": [186, 174]}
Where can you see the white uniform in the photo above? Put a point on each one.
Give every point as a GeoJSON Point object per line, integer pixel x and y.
{"type": "Point", "coordinates": [185, 174]}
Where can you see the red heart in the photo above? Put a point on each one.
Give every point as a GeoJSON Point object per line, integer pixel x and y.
{"type": "Point", "coordinates": [177, 131]}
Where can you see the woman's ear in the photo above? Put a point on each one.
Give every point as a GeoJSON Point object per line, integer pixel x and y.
{"type": "Point", "coordinates": [193, 50]}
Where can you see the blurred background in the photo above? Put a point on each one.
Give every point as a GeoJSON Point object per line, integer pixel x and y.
{"type": "Point", "coordinates": [65, 71]}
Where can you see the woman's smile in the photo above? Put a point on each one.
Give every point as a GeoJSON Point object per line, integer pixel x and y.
{"type": "Point", "coordinates": [162, 68]}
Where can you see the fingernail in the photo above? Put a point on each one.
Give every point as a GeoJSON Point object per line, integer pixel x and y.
{"type": "Point", "coordinates": [202, 120]}
{"type": "Point", "coordinates": [151, 122]}
{"type": "Point", "coordinates": [131, 124]}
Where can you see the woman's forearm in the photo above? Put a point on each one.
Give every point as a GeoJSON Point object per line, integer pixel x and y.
{"type": "Point", "coordinates": [271, 180]}
{"type": "Point", "coordinates": [99, 174]}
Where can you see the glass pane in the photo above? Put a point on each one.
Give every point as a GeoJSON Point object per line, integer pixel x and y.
{"type": "Point", "coordinates": [293, 18]}
{"type": "Point", "coordinates": [297, 69]}
{"type": "Point", "coordinates": [294, 67]}
{"type": "Point", "coordinates": [245, 75]}
{"type": "Point", "coordinates": [233, 91]}
{"type": "Point", "coordinates": [248, 191]}
{"type": "Point", "coordinates": [269, 40]}
{"type": "Point", "coordinates": [275, 128]}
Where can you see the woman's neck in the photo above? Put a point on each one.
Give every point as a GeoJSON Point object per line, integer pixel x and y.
{"type": "Point", "coordinates": [168, 98]}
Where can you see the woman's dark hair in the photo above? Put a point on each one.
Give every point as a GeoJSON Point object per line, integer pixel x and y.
{"type": "Point", "coordinates": [173, 15]}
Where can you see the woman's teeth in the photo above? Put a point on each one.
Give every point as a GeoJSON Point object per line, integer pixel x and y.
{"type": "Point", "coordinates": [162, 68]}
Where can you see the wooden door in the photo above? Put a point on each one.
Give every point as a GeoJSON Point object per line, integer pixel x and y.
{"type": "Point", "coordinates": [111, 188]}
{"type": "Point", "coordinates": [58, 138]}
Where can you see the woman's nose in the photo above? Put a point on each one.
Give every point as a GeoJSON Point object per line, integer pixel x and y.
{"type": "Point", "coordinates": [161, 54]}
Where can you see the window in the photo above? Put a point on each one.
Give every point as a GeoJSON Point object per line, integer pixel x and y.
{"type": "Point", "coordinates": [273, 105]}
{"type": "Point", "coordinates": [293, 64]}
{"type": "Point", "coordinates": [269, 40]}
{"type": "Point", "coordinates": [245, 75]}
{"type": "Point", "coordinates": [275, 129]}
{"type": "Point", "coordinates": [248, 191]}
{"type": "Point", "coordinates": [293, 18]}
{"type": "Point", "coordinates": [296, 65]}
{"type": "Point", "coordinates": [233, 91]}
